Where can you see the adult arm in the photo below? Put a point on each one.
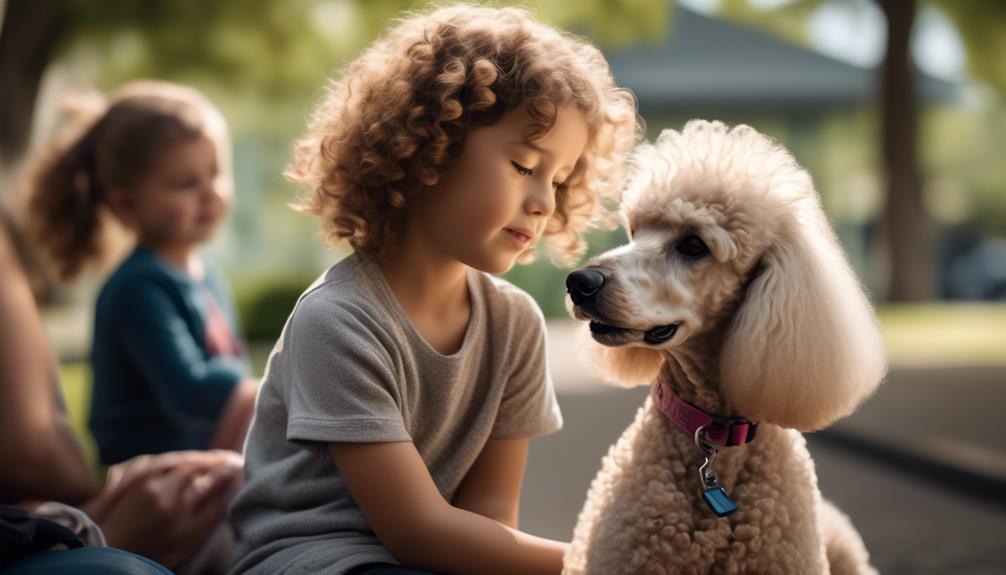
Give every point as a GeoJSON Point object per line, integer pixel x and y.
{"type": "Point", "coordinates": [40, 456]}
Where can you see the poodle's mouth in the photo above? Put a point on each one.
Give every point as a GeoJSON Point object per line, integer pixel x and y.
{"type": "Point", "coordinates": [613, 335]}
{"type": "Point", "coordinates": [660, 334]}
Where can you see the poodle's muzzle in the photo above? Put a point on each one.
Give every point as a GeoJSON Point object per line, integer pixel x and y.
{"type": "Point", "coordinates": [585, 289]}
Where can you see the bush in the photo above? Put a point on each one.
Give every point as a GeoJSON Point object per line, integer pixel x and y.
{"type": "Point", "coordinates": [264, 307]}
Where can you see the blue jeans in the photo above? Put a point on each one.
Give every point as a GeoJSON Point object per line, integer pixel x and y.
{"type": "Point", "coordinates": [385, 569]}
{"type": "Point", "coordinates": [84, 561]}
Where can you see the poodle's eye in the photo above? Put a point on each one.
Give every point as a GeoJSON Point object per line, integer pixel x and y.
{"type": "Point", "coordinates": [692, 247]}
{"type": "Point", "coordinates": [522, 170]}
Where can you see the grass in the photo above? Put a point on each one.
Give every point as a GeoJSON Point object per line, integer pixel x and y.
{"type": "Point", "coordinates": [75, 381]}
{"type": "Point", "coordinates": [944, 334]}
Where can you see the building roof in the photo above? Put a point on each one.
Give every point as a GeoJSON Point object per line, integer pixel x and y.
{"type": "Point", "coordinates": [706, 61]}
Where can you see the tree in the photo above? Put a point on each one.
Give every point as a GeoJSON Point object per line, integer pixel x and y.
{"type": "Point", "coordinates": [277, 47]}
{"type": "Point", "coordinates": [904, 222]}
{"type": "Point", "coordinates": [268, 44]}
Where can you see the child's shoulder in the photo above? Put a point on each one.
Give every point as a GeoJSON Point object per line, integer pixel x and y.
{"type": "Point", "coordinates": [140, 274]}
{"type": "Point", "coordinates": [343, 294]}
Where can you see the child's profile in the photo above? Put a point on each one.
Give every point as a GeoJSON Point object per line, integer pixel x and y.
{"type": "Point", "coordinates": [391, 432]}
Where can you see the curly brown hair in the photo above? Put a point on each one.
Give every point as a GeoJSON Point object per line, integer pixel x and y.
{"type": "Point", "coordinates": [402, 110]}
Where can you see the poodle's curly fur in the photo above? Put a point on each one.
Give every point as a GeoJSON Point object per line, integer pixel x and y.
{"type": "Point", "coordinates": [772, 326]}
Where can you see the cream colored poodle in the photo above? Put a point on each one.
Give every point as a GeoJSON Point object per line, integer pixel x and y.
{"type": "Point", "coordinates": [735, 303]}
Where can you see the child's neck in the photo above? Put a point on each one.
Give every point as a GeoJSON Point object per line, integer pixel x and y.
{"type": "Point", "coordinates": [432, 290]}
{"type": "Point", "coordinates": [181, 256]}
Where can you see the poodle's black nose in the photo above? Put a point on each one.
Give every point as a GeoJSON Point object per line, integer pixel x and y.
{"type": "Point", "coordinates": [583, 285]}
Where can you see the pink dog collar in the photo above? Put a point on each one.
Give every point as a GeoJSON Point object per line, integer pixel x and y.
{"type": "Point", "coordinates": [690, 419]}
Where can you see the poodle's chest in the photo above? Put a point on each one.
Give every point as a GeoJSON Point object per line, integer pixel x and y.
{"type": "Point", "coordinates": [651, 487]}
{"type": "Point", "coordinates": [775, 467]}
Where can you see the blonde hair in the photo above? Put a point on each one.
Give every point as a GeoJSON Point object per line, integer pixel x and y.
{"type": "Point", "coordinates": [403, 108]}
{"type": "Point", "coordinates": [67, 200]}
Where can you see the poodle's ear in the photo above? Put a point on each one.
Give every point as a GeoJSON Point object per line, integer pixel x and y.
{"type": "Point", "coordinates": [622, 366]}
{"type": "Point", "coordinates": [804, 348]}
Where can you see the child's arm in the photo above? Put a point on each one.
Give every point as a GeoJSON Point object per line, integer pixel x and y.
{"type": "Point", "coordinates": [492, 486]}
{"type": "Point", "coordinates": [393, 488]}
{"type": "Point", "coordinates": [191, 388]}
{"type": "Point", "coordinates": [236, 417]}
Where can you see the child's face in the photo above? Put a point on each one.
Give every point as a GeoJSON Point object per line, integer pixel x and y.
{"type": "Point", "coordinates": [493, 203]}
{"type": "Point", "coordinates": [182, 200]}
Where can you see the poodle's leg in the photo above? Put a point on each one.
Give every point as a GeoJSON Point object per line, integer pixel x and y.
{"type": "Point", "coordinates": [847, 555]}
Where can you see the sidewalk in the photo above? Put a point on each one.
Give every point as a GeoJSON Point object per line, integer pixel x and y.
{"type": "Point", "coordinates": [952, 416]}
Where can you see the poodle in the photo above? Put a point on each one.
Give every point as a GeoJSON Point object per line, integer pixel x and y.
{"type": "Point", "coordinates": [734, 301]}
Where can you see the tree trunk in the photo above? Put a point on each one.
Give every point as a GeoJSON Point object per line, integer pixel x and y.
{"type": "Point", "coordinates": [904, 222]}
{"type": "Point", "coordinates": [29, 33]}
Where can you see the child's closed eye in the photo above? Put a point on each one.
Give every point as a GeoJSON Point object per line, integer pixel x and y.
{"type": "Point", "coordinates": [525, 171]}
{"type": "Point", "coordinates": [522, 170]}
{"type": "Point", "coordinates": [184, 182]}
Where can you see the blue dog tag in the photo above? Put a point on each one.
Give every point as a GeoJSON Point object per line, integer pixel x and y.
{"type": "Point", "coordinates": [719, 501]}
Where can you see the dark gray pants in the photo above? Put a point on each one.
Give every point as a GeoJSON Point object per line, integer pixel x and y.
{"type": "Point", "coordinates": [386, 569]}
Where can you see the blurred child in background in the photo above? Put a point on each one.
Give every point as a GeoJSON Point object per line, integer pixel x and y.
{"type": "Point", "coordinates": [169, 370]}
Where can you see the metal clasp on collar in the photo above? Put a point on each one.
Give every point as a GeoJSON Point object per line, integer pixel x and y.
{"type": "Point", "coordinates": [709, 453]}
{"type": "Point", "coordinates": [714, 495]}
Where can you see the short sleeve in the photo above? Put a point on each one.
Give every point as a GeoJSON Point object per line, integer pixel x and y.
{"type": "Point", "coordinates": [342, 386]}
{"type": "Point", "coordinates": [529, 407]}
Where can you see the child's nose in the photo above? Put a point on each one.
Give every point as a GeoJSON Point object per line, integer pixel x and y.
{"type": "Point", "coordinates": [214, 190]}
{"type": "Point", "coordinates": [540, 200]}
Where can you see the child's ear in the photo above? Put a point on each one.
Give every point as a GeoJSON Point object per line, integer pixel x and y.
{"type": "Point", "coordinates": [122, 204]}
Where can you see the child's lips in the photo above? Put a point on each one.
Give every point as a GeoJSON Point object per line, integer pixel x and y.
{"type": "Point", "coordinates": [207, 219]}
{"type": "Point", "coordinates": [521, 237]}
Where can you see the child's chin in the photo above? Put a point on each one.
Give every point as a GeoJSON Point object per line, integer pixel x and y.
{"type": "Point", "coordinates": [496, 264]}
{"type": "Point", "coordinates": [203, 235]}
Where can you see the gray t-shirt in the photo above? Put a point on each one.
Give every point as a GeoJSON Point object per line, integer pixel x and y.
{"type": "Point", "coordinates": [350, 366]}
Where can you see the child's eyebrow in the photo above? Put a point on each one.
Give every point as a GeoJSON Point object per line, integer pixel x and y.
{"type": "Point", "coordinates": [533, 146]}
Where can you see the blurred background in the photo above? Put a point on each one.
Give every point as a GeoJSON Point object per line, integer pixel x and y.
{"type": "Point", "coordinates": [896, 107]}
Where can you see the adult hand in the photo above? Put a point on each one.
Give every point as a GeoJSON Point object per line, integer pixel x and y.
{"type": "Point", "coordinates": [165, 506]}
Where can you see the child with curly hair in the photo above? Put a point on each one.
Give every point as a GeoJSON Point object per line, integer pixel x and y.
{"type": "Point", "coordinates": [169, 371]}
{"type": "Point", "coordinates": [392, 428]}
